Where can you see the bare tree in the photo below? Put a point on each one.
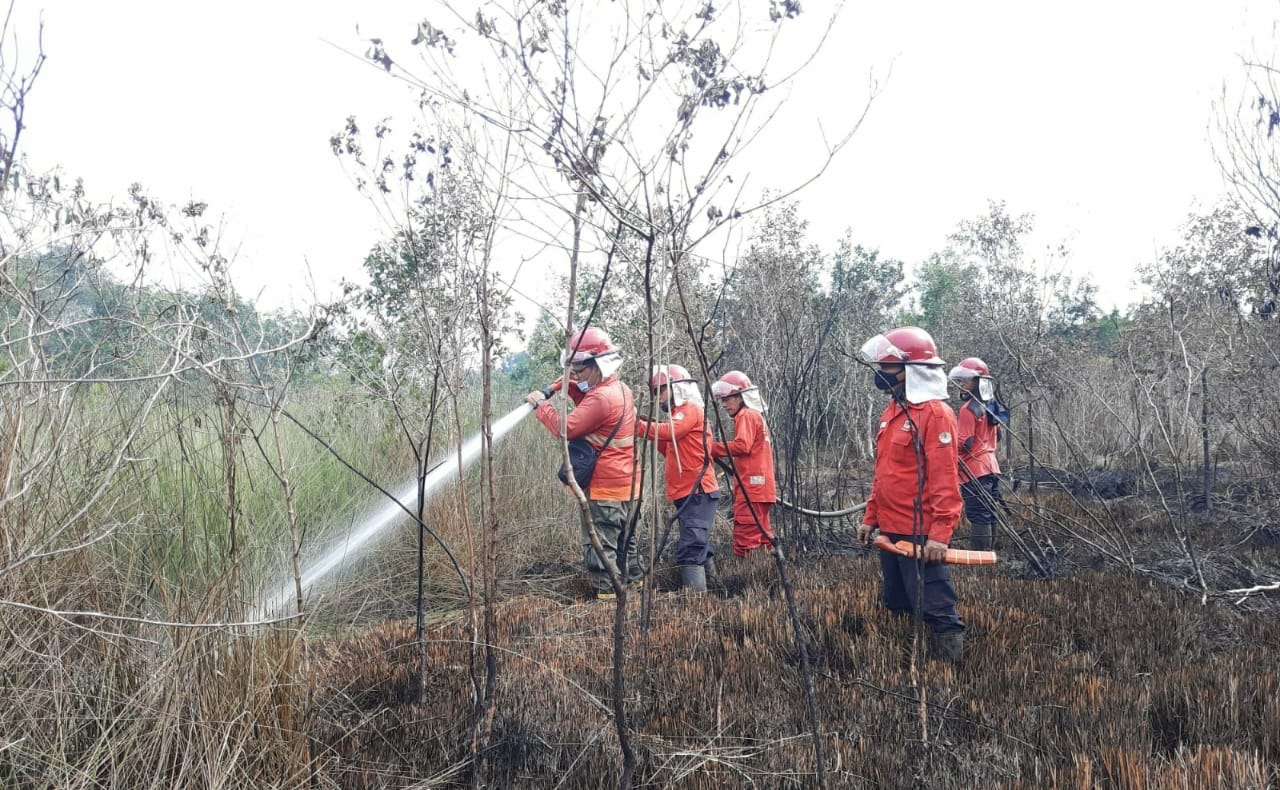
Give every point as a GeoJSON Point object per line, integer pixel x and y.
{"type": "Point", "coordinates": [633, 121]}
{"type": "Point", "coordinates": [18, 70]}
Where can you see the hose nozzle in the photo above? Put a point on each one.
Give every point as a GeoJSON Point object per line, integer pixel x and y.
{"type": "Point", "coordinates": [552, 389]}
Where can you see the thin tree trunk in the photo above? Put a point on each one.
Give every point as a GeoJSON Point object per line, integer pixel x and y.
{"type": "Point", "coordinates": [1204, 437]}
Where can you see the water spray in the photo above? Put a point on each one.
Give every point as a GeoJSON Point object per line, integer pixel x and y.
{"type": "Point", "coordinates": [350, 546]}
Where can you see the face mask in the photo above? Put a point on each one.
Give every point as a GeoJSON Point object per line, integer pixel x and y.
{"type": "Point", "coordinates": [965, 395]}
{"type": "Point", "coordinates": [884, 381]}
{"type": "Point", "coordinates": [583, 386]}
{"type": "Point", "coordinates": [665, 406]}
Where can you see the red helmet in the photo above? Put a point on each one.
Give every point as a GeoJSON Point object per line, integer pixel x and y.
{"type": "Point", "coordinates": [906, 345]}
{"type": "Point", "coordinates": [968, 368]}
{"type": "Point", "coordinates": [734, 382]}
{"type": "Point", "coordinates": [668, 374]}
{"type": "Point", "coordinates": [586, 345]}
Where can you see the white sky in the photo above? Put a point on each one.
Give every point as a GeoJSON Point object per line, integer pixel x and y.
{"type": "Point", "coordinates": [1095, 116]}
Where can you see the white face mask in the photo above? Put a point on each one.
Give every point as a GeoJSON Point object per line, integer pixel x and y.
{"type": "Point", "coordinates": [583, 386]}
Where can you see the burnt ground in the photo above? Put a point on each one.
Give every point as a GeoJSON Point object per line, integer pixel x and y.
{"type": "Point", "coordinates": [1104, 674]}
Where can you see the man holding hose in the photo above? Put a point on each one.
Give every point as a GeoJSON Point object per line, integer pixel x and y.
{"type": "Point", "coordinates": [915, 492]}
{"type": "Point", "coordinates": [603, 414]}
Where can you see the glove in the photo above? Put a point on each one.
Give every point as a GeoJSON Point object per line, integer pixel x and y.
{"type": "Point", "coordinates": [865, 531]}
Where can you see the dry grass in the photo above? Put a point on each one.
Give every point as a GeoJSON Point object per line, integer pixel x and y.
{"type": "Point", "coordinates": [1098, 679]}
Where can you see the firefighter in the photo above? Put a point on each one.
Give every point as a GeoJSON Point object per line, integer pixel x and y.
{"type": "Point", "coordinates": [915, 492]}
{"type": "Point", "coordinates": [602, 408]}
{"type": "Point", "coordinates": [751, 449]}
{"type": "Point", "coordinates": [684, 439]}
{"type": "Point", "coordinates": [977, 438]}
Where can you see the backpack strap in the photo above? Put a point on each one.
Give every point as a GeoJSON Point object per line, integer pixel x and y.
{"type": "Point", "coordinates": [621, 417]}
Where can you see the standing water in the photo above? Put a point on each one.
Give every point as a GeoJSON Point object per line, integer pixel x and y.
{"type": "Point", "coordinates": [350, 546]}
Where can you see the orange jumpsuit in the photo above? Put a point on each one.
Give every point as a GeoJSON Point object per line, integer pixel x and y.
{"type": "Point", "coordinates": [593, 417]}
{"type": "Point", "coordinates": [684, 437]}
{"type": "Point", "coordinates": [755, 491]}
{"type": "Point", "coordinates": [979, 470]}
{"type": "Point", "coordinates": [680, 440]}
{"type": "Point", "coordinates": [899, 472]}
{"type": "Point", "coordinates": [916, 461]}
{"type": "Point", "coordinates": [615, 482]}
{"type": "Point", "coordinates": [977, 457]}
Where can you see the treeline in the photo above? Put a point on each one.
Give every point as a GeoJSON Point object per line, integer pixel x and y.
{"type": "Point", "coordinates": [1174, 389]}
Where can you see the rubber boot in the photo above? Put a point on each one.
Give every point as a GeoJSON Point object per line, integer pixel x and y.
{"type": "Point", "coordinates": [712, 574]}
{"type": "Point", "coordinates": [693, 578]}
{"type": "Point", "coordinates": [950, 647]}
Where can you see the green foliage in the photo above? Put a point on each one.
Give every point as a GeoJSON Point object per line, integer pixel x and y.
{"type": "Point", "coordinates": [90, 324]}
{"type": "Point", "coordinates": [948, 291]}
{"type": "Point", "coordinates": [869, 287]}
{"type": "Point", "coordinates": [403, 339]}
{"type": "Point", "coordinates": [1106, 331]}
{"type": "Point", "coordinates": [539, 364]}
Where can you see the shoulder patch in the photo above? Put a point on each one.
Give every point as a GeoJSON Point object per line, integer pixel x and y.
{"type": "Point", "coordinates": [944, 437]}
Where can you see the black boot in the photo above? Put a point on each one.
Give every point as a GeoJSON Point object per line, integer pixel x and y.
{"type": "Point", "coordinates": [950, 647]}
{"type": "Point", "coordinates": [693, 578]}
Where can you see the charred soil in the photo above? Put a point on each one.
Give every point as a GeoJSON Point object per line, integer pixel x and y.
{"type": "Point", "coordinates": [1094, 677]}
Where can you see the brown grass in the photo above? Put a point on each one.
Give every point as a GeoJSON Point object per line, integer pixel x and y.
{"type": "Point", "coordinates": [1098, 679]}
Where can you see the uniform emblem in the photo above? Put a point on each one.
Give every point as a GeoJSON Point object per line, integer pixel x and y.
{"type": "Point", "coordinates": [944, 437]}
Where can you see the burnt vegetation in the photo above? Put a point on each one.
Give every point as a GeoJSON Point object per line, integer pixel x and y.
{"type": "Point", "coordinates": [1094, 678]}
{"type": "Point", "coordinates": [165, 454]}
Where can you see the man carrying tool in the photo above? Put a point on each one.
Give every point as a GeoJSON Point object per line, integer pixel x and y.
{"type": "Point", "coordinates": [684, 439]}
{"type": "Point", "coordinates": [977, 438]}
{"type": "Point", "coordinates": [751, 449]}
{"type": "Point", "coordinates": [604, 414]}
{"type": "Point", "coordinates": [915, 493]}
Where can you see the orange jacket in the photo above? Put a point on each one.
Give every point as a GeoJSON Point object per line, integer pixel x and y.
{"type": "Point", "coordinates": [896, 485]}
{"type": "Point", "coordinates": [752, 452]}
{"type": "Point", "coordinates": [681, 441]}
{"type": "Point", "coordinates": [979, 459]}
{"type": "Point", "coordinates": [593, 416]}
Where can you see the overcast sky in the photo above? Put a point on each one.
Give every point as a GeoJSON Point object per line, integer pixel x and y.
{"type": "Point", "coordinates": [1093, 116]}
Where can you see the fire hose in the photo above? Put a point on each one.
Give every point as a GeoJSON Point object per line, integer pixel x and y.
{"type": "Point", "coordinates": [904, 547]}
{"type": "Point", "coordinates": [849, 511]}
{"type": "Point", "coordinates": [953, 556]}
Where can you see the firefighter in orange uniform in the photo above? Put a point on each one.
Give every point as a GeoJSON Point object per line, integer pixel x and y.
{"type": "Point", "coordinates": [977, 439]}
{"type": "Point", "coordinates": [915, 493]}
{"type": "Point", "coordinates": [751, 449]}
{"type": "Point", "coordinates": [684, 439]}
{"type": "Point", "coordinates": [602, 406]}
